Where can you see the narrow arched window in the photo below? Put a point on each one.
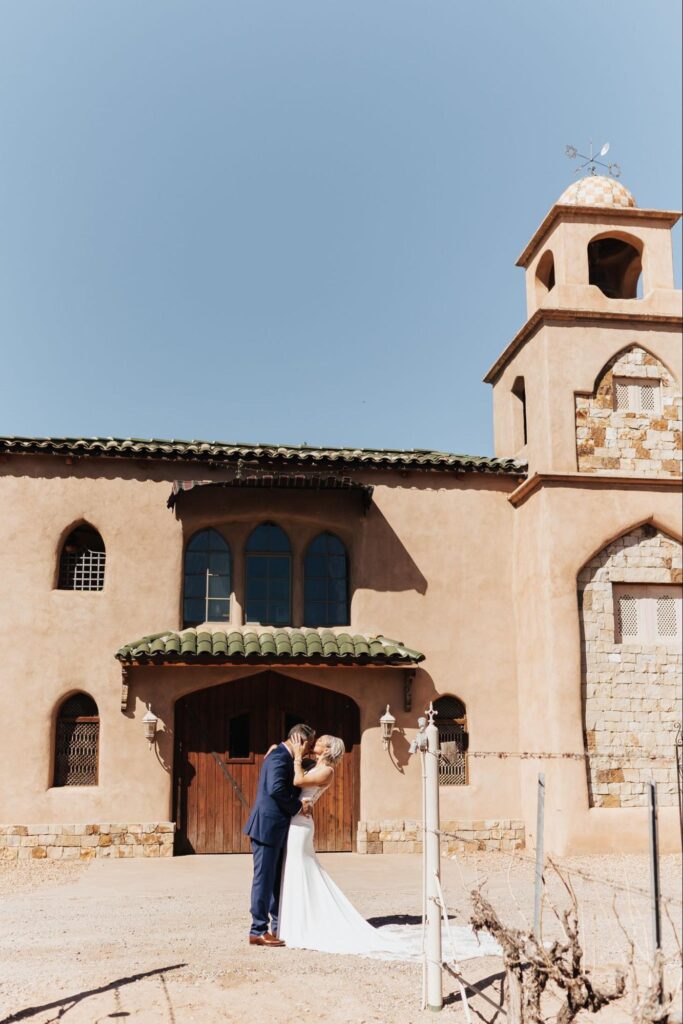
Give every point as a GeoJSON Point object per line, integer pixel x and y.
{"type": "Point", "coordinates": [520, 415]}
{"type": "Point", "coordinates": [268, 576]}
{"type": "Point", "coordinates": [326, 597]}
{"type": "Point", "coordinates": [545, 274]}
{"type": "Point", "coordinates": [81, 562]}
{"type": "Point", "coordinates": [451, 722]}
{"type": "Point", "coordinates": [206, 590]}
{"type": "Point", "coordinates": [77, 742]}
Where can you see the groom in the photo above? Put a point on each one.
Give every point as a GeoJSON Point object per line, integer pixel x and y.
{"type": "Point", "coordinates": [277, 801]}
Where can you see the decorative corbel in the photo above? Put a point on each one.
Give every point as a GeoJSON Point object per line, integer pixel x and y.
{"type": "Point", "coordinates": [408, 677]}
{"type": "Point", "coordinates": [367, 498]}
{"type": "Point", "coordinates": [125, 684]}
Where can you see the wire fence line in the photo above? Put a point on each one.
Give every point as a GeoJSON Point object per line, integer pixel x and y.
{"type": "Point", "coordinates": [567, 869]}
{"type": "Point", "coordinates": [613, 919]}
{"type": "Point", "coordinates": [623, 756]}
{"type": "Point", "coordinates": [592, 920]}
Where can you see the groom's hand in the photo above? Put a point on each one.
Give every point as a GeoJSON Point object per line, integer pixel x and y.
{"type": "Point", "coordinates": [306, 808]}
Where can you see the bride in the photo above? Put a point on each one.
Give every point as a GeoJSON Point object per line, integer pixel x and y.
{"type": "Point", "coordinates": [314, 912]}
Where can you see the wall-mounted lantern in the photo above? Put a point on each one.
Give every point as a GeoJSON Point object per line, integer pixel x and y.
{"type": "Point", "coordinates": [387, 721]}
{"type": "Point", "coordinates": [150, 723]}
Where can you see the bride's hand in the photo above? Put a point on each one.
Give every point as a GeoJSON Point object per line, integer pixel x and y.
{"type": "Point", "coordinates": [298, 747]}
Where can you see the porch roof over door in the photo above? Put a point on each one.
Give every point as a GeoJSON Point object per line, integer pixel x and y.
{"type": "Point", "coordinates": [269, 645]}
{"type": "Point", "coordinates": [278, 480]}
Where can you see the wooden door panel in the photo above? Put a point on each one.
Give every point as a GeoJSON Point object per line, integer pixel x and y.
{"type": "Point", "coordinates": [209, 814]}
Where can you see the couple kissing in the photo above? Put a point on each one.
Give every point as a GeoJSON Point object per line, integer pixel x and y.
{"type": "Point", "coordinates": [294, 901]}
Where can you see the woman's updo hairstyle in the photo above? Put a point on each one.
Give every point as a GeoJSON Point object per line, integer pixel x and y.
{"type": "Point", "coordinates": [335, 750]}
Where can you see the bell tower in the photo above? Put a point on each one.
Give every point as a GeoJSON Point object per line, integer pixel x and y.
{"type": "Point", "coordinates": [588, 393]}
{"type": "Point", "coordinates": [599, 281]}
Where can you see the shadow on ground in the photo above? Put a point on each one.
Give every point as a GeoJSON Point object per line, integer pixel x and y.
{"type": "Point", "coordinates": [67, 1003]}
{"type": "Point", "coordinates": [379, 922]}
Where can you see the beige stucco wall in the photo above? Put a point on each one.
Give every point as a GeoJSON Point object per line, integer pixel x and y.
{"type": "Point", "coordinates": [488, 590]}
{"type": "Point", "coordinates": [430, 566]}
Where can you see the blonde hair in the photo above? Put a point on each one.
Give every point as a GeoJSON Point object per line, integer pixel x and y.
{"type": "Point", "coordinates": [335, 750]}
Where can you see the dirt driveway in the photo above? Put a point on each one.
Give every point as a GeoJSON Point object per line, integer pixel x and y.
{"type": "Point", "coordinates": [165, 940]}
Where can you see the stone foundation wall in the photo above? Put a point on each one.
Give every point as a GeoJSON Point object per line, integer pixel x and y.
{"type": "Point", "coordinates": [630, 442]}
{"type": "Point", "coordinates": [631, 691]}
{"type": "Point", "coordinates": [406, 836]}
{"type": "Point", "coordinates": [83, 842]}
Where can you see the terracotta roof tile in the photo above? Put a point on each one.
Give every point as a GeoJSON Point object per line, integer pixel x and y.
{"type": "Point", "coordinates": [273, 644]}
{"type": "Point", "coordinates": [222, 452]}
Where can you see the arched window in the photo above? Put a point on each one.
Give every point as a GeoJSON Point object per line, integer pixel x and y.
{"type": "Point", "coordinates": [451, 722]}
{"type": "Point", "coordinates": [614, 266]}
{"type": "Point", "coordinates": [326, 599]}
{"type": "Point", "coordinates": [521, 432]}
{"type": "Point", "coordinates": [77, 742]}
{"type": "Point", "coordinates": [81, 563]}
{"type": "Point", "coordinates": [268, 576]}
{"type": "Point", "coordinates": [206, 591]}
{"type": "Point", "coordinates": [545, 274]}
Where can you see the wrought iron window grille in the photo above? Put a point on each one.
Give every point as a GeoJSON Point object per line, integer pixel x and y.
{"type": "Point", "coordinates": [453, 741]}
{"type": "Point", "coordinates": [82, 570]}
{"type": "Point", "coordinates": [77, 743]}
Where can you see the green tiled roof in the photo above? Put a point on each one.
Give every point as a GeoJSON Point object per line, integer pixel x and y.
{"type": "Point", "coordinates": [222, 452]}
{"type": "Point", "coordinates": [237, 646]}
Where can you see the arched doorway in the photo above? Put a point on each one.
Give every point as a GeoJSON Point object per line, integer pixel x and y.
{"type": "Point", "coordinates": [238, 721]}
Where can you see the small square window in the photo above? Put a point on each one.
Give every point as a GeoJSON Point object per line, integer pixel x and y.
{"type": "Point", "coordinates": [637, 395]}
{"type": "Point", "coordinates": [647, 613]}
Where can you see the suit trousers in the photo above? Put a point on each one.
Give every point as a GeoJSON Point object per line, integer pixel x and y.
{"type": "Point", "coordinates": [265, 888]}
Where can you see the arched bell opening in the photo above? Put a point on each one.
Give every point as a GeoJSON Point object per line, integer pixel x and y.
{"type": "Point", "coordinates": [545, 275]}
{"type": "Point", "coordinates": [615, 267]}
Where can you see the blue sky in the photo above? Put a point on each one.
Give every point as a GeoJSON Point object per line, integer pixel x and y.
{"type": "Point", "coordinates": [293, 222]}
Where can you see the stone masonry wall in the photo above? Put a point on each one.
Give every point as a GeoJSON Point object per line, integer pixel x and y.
{"type": "Point", "coordinates": [631, 442]}
{"type": "Point", "coordinates": [83, 842]}
{"type": "Point", "coordinates": [631, 692]}
{"type": "Point", "coordinates": [406, 836]}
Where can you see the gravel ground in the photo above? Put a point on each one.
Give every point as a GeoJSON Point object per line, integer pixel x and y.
{"type": "Point", "coordinates": [165, 941]}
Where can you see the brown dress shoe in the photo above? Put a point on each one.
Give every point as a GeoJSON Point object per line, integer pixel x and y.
{"type": "Point", "coordinates": [265, 940]}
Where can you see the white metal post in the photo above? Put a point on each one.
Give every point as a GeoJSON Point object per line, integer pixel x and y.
{"type": "Point", "coordinates": [432, 855]}
{"type": "Point", "coordinates": [540, 825]}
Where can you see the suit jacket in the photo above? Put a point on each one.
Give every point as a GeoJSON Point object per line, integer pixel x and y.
{"type": "Point", "coordinates": [277, 799]}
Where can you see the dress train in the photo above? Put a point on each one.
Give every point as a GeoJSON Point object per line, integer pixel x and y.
{"type": "Point", "coordinates": [315, 914]}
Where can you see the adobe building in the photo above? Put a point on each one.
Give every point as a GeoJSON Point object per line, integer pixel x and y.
{"type": "Point", "coordinates": [170, 608]}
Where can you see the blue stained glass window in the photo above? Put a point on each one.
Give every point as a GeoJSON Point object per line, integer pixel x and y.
{"type": "Point", "coordinates": [268, 538]}
{"type": "Point", "coordinates": [207, 585]}
{"type": "Point", "coordinates": [268, 576]}
{"type": "Point", "coordinates": [326, 590]}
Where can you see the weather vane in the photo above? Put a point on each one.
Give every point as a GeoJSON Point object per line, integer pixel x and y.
{"type": "Point", "coordinates": [591, 162]}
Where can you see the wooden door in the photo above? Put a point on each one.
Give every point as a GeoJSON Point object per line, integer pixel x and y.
{"type": "Point", "coordinates": [239, 721]}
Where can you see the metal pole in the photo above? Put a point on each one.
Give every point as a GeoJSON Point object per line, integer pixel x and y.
{"type": "Point", "coordinates": [538, 891]}
{"type": "Point", "coordinates": [679, 777]}
{"type": "Point", "coordinates": [433, 868]}
{"type": "Point", "coordinates": [654, 867]}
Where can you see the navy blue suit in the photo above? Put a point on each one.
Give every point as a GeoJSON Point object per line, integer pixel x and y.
{"type": "Point", "coordinates": [277, 801]}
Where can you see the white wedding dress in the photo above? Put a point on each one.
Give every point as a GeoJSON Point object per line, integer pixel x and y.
{"type": "Point", "coordinates": [315, 914]}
